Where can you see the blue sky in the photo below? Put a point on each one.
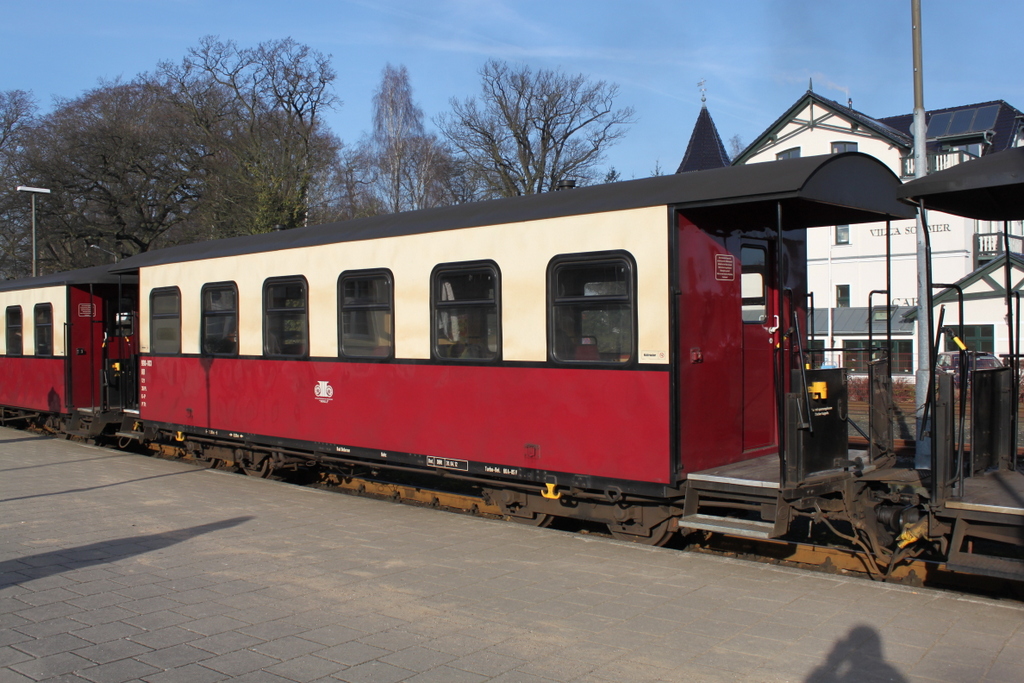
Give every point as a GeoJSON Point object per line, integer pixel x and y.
{"type": "Point", "coordinates": [756, 57]}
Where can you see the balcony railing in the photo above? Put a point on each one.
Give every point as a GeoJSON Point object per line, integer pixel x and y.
{"type": "Point", "coordinates": [989, 245]}
{"type": "Point", "coordinates": [937, 161]}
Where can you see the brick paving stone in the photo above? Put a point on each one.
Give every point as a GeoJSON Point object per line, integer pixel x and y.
{"type": "Point", "coordinates": [118, 672]}
{"type": "Point", "coordinates": [189, 673]}
{"type": "Point", "coordinates": [304, 669]}
{"type": "Point", "coordinates": [40, 668]}
{"type": "Point", "coordinates": [112, 651]}
{"type": "Point", "coordinates": [374, 672]}
{"type": "Point", "coordinates": [174, 656]}
{"type": "Point", "coordinates": [239, 662]}
{"type": "Point", "coordinates": [51, 645]}
{"type": "Point", "coordinates": [223, 643]}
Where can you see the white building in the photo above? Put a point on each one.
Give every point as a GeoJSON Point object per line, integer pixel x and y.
{"type": "Point", "coordinates": [847, 263]}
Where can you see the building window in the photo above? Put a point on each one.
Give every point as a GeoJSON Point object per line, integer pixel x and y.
{"type": "Point", "coordinates": [976, 337]}
{"type": "Point", "coordinates": [842, 296]}
{"type": "Point", "coordinates": [842, 234]}
{"type": "Point", "coordinates": [465, 302]}
{"type": "Point", "coordinates": [753, 283]}
{"type": "Point", "coordinates": [220, 319]}
{"type": "Point", "coordinates": [285, 319]}
{"type": "Point", "coordinates": [591, 309]}
{"type": "Point", "coordinates": [43, 315]}
{"type": "Point", "coordinates": [366, 328]}
{"type": "Point", "coordinates": [165, 320]}
{"type": "Point", "coordinates": [13, 327]}
{"type": "Point", "coordinates": [901, 357]}
{"type": "Point", "coordinates": [793, 153]}
{"type": "Point", "coordinates": [840, 147]}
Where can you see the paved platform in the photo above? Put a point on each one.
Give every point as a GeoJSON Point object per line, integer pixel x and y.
{"type": "Point", "coordinates": [117, 567]}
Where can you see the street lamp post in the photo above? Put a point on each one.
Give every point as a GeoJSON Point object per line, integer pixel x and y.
{"type": "Point", "coordinates": [33, 191]}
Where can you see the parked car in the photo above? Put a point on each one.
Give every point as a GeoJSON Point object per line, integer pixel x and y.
{"type": "Point", "coordinates": [949, 362]}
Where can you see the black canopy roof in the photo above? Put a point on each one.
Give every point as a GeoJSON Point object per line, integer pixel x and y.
{"type": "Point", "coordinates": [97, 275]}
{"type": "Point", "coordinates": [990, 188]}
{"type": "Point", "coordinates": [813, 191]}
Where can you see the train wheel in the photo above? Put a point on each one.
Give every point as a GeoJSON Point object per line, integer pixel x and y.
{"type": "Point", "coordinates": [262, 470]}
{"type": "Point", "coordinates": [660, 535]}
{"type": "Point", "coordinates": [538, 519]}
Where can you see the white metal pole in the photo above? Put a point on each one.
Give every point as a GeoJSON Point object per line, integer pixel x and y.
{"type": "Point", "coordinates": [922, 459]}
{"type": "Point", "coordinates": [34, 271]}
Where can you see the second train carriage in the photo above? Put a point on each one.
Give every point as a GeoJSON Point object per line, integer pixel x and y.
{"type": "Point", "coordinates": [579, 353]}
{"type": "Point", "coordinates": [68, 348]}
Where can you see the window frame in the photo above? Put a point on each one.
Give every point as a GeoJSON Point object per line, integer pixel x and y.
{"type": "Point", "coordinates": [847, 297]}
{"type": "Point", "coordinates": [436, 305]}
{"type": "Point", "coordinates": [596, 258]}
{"type": "Point", "coordinates": [161, 291]}
{"type": "Point", "coordinates": [791, 153]}
{"type": "Point", "coordinates": [762, 269]}
{"type": "Point", "coordinates": [284, 280]}
{"type": "Point", "coordinates": [845, 144]}
{"type": "Point", "coordinates": [389, 307]}
{"type": "Point", "coordinates": [204, 315]}
{"type": "Point", "coordinates": [9, 328]}
{"type": "Point", "coordinates": [46, 306]}
{"type": "Point", "coordinates": [843, 240]}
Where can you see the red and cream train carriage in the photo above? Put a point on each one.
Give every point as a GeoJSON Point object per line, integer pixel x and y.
{"type": "Point", "coordinates": [604, 341]}
{"type": "Point", "coordinates": [68, 347]}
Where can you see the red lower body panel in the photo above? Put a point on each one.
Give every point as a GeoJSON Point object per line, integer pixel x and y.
{"type": "Point", "coordinates": [601, 423]}
{"type": "Point", "coordinates": [33, 383]}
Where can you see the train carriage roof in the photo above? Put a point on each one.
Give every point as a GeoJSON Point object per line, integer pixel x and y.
{"type": "Point", "coordinates": [97, 275]}
{"type": "Point", "coordinates": [812, 191]}
{"type": "Point", "coordinates": [990, 188]}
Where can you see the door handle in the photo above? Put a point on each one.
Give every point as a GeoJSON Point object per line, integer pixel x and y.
{"type": "Point", "coordinates": [774, 328]}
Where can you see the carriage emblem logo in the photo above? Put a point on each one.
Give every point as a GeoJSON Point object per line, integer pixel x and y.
{"type": "Point", "coordinates": [323, 391]}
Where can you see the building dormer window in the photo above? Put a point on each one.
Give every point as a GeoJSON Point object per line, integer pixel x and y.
{"type": "Point", "coordinates": [793, 153]}
{"type": "Point", "coordinates": [840, 147]}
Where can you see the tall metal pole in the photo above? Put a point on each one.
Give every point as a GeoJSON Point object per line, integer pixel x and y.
{"type": "Point", "coordinates": [33, 191]}
{"type": "Point", "coordinates": [34, 273]}
{"type": "Point", "coordinates": [922, 459]}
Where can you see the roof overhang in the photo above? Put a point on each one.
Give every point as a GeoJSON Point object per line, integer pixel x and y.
{"type": "Point", "coordinates": [96, 275]}
{"type": "Point", "coordinates": [990, 188]}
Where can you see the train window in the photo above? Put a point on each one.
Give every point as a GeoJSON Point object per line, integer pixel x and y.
{"type": "Point", "coordinates": [592, 311]}
{"type": "Point", "coordinates": [219, 331]}
{"type": "Point", "coordinates": [43, 315]}
{"type": "Point", "coordinates": [466, 318]}
{"type": "Point", "coordinates": [366, 326]}
{"type": "Point", "coordinates": [753, 284]}
{"type": "Point", "coordinates": [285, 319]}
{"type": "Point", "coordinates": [165, 320]}
{"type": "Point", "coordinates": [12, 323]}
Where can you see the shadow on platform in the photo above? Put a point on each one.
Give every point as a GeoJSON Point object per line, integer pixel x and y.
{"type": "Point", "coordinates": [856, 658]}
{"type": "Point", "coordinates": [31, 567]}
{"type": "Point", "coordinates": [96, 488]}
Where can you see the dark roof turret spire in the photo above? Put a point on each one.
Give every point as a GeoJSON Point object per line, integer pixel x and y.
{"type": "Point", "coordinates": [705, 150]}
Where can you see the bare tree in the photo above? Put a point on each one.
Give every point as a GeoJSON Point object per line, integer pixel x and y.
{"type": "Point", "coordinates": [121, 171]}
{"type": "Point", "coordinates": [410, 165]}
{"type": "Point", "coordinates": [17, 113]}
{"type": "Point", "coordinates": [736, 146]}
{"type": "Point", "coordinates": [260, 112]}
{"type": "Point", "coordinates": [531, 129]}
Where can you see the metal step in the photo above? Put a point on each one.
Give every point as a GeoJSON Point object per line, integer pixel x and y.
{"type": "Point", "coordinates": [987, 565]}
{"type": "Point", "coordinates": [131, 435]}
{"type": "Point", "coordinates": [728, 525]}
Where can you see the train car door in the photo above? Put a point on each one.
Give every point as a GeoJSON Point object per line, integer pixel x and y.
{"type": "Point", "coordinates": [84, 347]}
{"type": "Point", "coordinates": [761, 333]}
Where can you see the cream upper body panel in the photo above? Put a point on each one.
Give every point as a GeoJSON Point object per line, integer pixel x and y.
{"type": "Point", "coordinates": [522, 252]}
{"type": "Point", "coordinates": [28, 299]}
